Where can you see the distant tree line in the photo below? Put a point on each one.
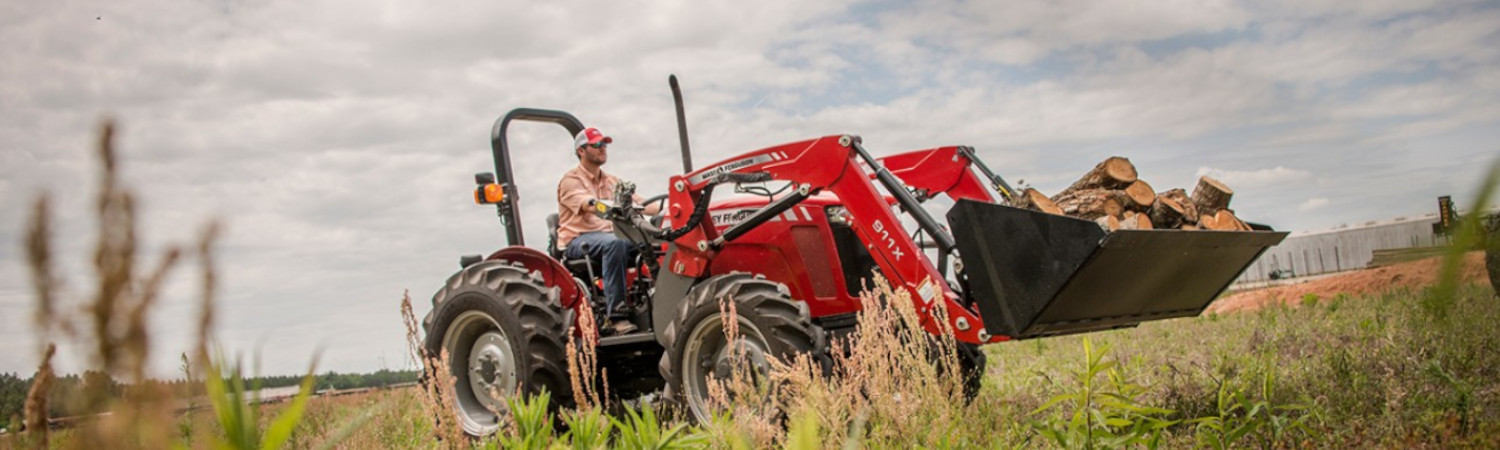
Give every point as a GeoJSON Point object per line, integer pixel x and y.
{"type": "Point", "coordinates": [67, 396]}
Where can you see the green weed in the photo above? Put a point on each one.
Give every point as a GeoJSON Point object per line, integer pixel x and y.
{"type": "Point", "coordinates": [1096, 415]}
{"type": "Point", "coordinates": [531, 425]}
{"type": "Point", "coordinates": [588, 429]}
{"type": "Point", "coordinates": [1309, 300]}
{"type": "Point", "coordinates": [1240, 416]}
{"type": "Point", "coordinates": [640, 429]}
{"type": "Point", "coordinates": [238, 409]}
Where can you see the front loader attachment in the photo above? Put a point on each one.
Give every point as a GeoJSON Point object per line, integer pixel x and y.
{"type": "Point", "coordinates": [1035, 274]}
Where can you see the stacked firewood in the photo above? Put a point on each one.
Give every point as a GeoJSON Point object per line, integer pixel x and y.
{"type": "Point", "coordinates": [1112, 195]}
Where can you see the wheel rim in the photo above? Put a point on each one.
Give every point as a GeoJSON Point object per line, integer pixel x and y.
{"type": "Point", "coordinates": [711, 356]}
{"type": "Point", "coordinates": [484, 370]}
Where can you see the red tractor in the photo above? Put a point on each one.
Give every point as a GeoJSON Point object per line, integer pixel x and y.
{"type": "Point", "coordinates": [793, 260]}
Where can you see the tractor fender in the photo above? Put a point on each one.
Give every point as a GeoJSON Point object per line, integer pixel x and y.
{"type": "Point", "coordinates": [553, 273]}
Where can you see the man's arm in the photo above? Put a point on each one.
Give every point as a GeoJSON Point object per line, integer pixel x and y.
{"type": "Point", "coordinates": [650, 209]}
{"type": "Point", "coordinates": [572, 195]}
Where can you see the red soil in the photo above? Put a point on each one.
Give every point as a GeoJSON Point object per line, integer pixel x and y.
{"type": "Point", "coordinates": [1415, 274]}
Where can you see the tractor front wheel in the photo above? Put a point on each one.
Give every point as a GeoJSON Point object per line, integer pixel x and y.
{"type": "Point", "coordinates": [971, 362]}
{"type": "Point", "coordinates": [500, 329]}
{"type": "Point", "coordinates": [699, 351]}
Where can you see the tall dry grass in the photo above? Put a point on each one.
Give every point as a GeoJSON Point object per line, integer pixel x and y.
{"type": "Point", "coordinates": [111, 321]}
{"type": "Point", "coordinates": [436, 384]}
{"type": "Point", "coordinates": [892, 383]}
{"type": "Point", "coordinates": [583, 363]}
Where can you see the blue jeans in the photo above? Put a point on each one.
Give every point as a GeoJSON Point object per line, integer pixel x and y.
{"type": "Point", "coordinates": [613, 254]}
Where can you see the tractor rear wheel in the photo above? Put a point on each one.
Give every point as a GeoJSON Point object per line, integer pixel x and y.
{"type": "Point", "coordinates": [502, 329]}
{"type": "Point", "coordinates": [770, 325]}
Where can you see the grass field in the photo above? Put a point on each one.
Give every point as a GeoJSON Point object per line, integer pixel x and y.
{"type": "Point", "coordinates": [1363, 372]}
{"type": "Point", "coordinates": [1354, 372]}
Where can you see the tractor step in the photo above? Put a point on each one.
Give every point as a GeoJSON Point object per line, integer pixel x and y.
{"type": "Point", "coordinates": [1035, 274]}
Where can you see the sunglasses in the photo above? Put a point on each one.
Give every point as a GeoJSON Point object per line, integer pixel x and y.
{"type": "Point", "coordinates": [596, 145]}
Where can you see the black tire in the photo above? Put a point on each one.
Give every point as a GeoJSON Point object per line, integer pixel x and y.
{"type": "Point", "coordinates": [771, 325]}
{"type": "Point", "coordinates": [971, 362]}
{"type": "Point", "coordinates": [502, 328]}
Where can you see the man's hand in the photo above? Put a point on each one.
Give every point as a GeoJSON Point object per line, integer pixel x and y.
{"type": "Point", "coordinates": [650, 210]}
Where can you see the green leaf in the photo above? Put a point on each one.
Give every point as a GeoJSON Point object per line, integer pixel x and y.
{"type": "Point", "coordinates": [281, 428]}
{"type": "Point", "coordinates": [1052, 402]}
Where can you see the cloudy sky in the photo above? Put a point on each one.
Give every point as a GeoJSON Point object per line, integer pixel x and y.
{"type": "Point", "coordinates": [338, 140]}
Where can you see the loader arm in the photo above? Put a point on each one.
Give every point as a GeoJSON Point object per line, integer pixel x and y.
{"type": "Point", "coordinates": [836, 164]}
{"type": "Point", "coordinates": [949, 171]}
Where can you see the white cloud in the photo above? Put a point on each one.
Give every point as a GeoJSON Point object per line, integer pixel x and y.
{"type": "Point", "coordinates": [1313, 204]}
{"type": "Point", "coordinates": [1242, 179]}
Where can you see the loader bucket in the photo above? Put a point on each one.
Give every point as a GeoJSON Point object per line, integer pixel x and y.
{"type": "Point", "coordinates": [1035, 274]}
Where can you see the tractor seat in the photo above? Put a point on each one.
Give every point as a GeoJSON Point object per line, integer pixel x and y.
{"type": "Point", "coordinates": [579, 267]}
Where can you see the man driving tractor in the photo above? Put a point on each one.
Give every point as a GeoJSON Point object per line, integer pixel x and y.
{"type": "Point", "coordinates": [582, 233]}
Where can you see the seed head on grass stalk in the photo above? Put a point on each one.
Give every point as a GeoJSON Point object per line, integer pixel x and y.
{"type": "Point", "coordinates": [583, 361]}
{"type": "Point", "coordinates": [44, 285]}
{"type": "Point", "coordinates": [115, 315]}
{"type": "Point", "coordinates": [885, 389]}
{"type": "Point", "coordinates": [436, 384]}
{"type": "Point", "coordinates": [36, 400]}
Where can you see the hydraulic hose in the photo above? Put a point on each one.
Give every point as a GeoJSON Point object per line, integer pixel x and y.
{"type": "Point", "coordinates": [694, 219]}
{"type": "Point", "coordinates": [702, 208]}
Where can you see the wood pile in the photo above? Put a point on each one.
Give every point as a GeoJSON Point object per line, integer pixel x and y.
{"type": "Point", "coordinates": [1113, 195]}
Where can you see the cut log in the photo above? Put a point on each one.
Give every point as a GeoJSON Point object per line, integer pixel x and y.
{"type": "Point", "coordinates": [1227, 221]}
{"type": "Point", "coordinates": [1223, 220]}
{"type": "Point", "coordinates": [1090, 204]}
{"type": "Point", "coordinates": [1189, 227]}
{"type": "Point", "coordinates": [1108, 223]}
{"type": "Point", "coordinates": [1211, 195]}
{"type": "Point", "coordinates": [1141, 196]}
{"type": "Point", "coordinates": [1135, 221]}
{"type": "Point", "coordinates": [1034, 200]}
{"type": "Point", "coordinates": [1166, 213]}
{"type": "Point", "coordinates": [1207, 222]}
{"type": "Point", "coordinates": [1114, 173]}
{"type": "Point", "coordinates": [1189, 212]}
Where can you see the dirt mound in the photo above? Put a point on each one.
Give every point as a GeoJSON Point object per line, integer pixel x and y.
{"type": "Point", "coordinates": [1415, 274]}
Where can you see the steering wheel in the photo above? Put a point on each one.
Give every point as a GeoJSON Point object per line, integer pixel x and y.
{"type": "Point", "coordinates": [655, 199]}
{"type": "Point", "coordinates": [661, 200]}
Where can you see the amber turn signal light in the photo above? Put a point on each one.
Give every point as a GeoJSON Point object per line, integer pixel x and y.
{"type": "Point", "coordinates": [488, 194]}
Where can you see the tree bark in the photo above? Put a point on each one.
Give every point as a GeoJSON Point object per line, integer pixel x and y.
{"type": "Point", "coordinates": [1090, 204]}
{"type": "Point", "coordinates": [1189, 212]}
{"type": "Point", "coordinates": [1113, 173]}
{"type": "Point", "coordinates": [1211, 195]}
{"type": "Point", "coordinates": [1166, 213]}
